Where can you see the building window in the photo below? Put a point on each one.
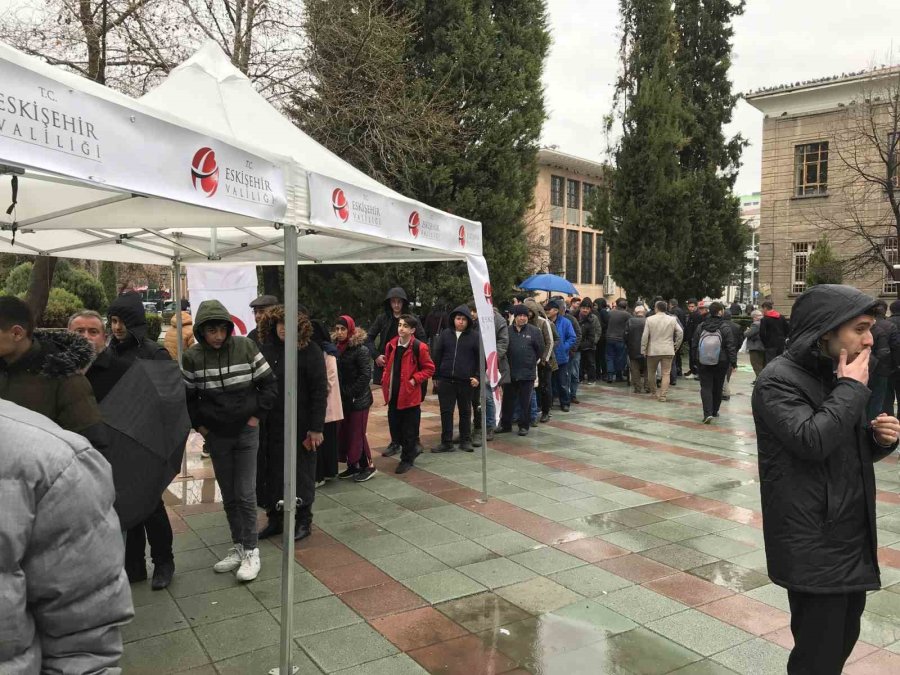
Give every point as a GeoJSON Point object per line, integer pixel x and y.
{"type": "Point", "coordinates": [557, 187]}
{"type": "Point", "coordinates": [556, 250]}
{"type": "Point", "coordinates": [600, 258]}
{"type": "Point", "coordinates": [572, 255]}
{"type": "Point", "coordinates": [573, 202]}
{"type": "Point", "coordinates": [799, 265]}
{"type": "Point", "coordinates": [891, 257]}
{"type": "Point", "coordinates": [811, 166]}
{"type": "Point", "coordinates": [587, 258]}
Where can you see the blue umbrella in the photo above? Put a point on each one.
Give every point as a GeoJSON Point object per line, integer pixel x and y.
{"type": "Point", "coordinates": [548, 282]}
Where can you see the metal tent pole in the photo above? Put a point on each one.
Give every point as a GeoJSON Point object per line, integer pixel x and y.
{"type": "Point", "coordinates": [290, 448]}
{"type": "Point", "coordinates": [176, 291]}
{"type": "Point", "coordinates": [484, 443]}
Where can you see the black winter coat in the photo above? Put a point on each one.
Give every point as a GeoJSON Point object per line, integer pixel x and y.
{"type": "Point", "coordinates": [729, 345]}
{"type": "Point", "coordinates": [773, 331]}
{"type": "Point", "coordinates": [457, 360]}
{"type": "Point", "coordinates": [737, 333]}
{"type": "Point", "coordinates": [886, 349]}
{"type": "Point", "coordinates": [355, 373]}
{"type": "Point", "coordinates": [384, 329]}
{"type": "Point", "coordinates": [525, 349]}
{"type": "Point", "coordinates": [634, 332]}
{"type": "Point", "coordinates": [816, 451]}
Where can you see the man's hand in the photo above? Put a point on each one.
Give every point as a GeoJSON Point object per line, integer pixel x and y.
{"type": "Point", "coordinates": [858, 370]}
{"type": "Point", "coordinates": [313, 440]}
{"type": "Point", "coordinates": [380, 361]}
{"type": "Point", "coordinates": [886, 429]}
{"type": "Point", "coordinates": [473, 381]}
{"type": "Point", "coordinates": [412, 382]}
{"type": "Point", "coordinates": [253, 422]}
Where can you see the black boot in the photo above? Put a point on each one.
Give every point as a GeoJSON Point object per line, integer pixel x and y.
{"type": "Point", "coordinates": [275, 525]}
{"type": "Point", "coordinates": [303, 524]}
{"type": "Point", "coordinates": [162, 575]}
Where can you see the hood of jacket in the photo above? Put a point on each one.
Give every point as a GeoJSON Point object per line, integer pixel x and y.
{"type": "Point", "coordinates": [535, 308]}
{"type": "Point", "coordinates": [464, 311]}
{"type": "Point", "coordinates": [713, 323]}
{"type": "Point", "coordinates": [186, 320]}
{"type": "Point", "coordinates": [275, 315]}
{"type": "Point", "coordinates": [211, 310]}
{"type": "Point", "coordinates": [820, 309]}
{"type": "Point", "coordinates": [130, 309]}
{"type": "Point", "coordinates": [773, 314]}
{"type": "Point", "coordinates": [61, 354]}
{"type": "Point", "coordinates": [396, 292]}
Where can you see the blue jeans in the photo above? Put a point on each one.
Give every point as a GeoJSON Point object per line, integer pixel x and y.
{"type": "Point", "coordinates": [490, 409]}
{"type": "Point", "coordinates": [517, 414]}
{"type": "Point", "coordinates": [615, 359]}
{"type": "Point", "coordinates": [561, 384]}
{"type": "Point", "coordinates": [574, 372]}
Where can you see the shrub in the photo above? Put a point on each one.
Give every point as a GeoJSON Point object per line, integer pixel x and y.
{"type": "Point", "coordinates": [60, 306]}
{"type": "Point", "coordinates": [17, 281]}
{"type": "Point", "coordinates": [823, 266]}
{"type": "Point", "coordinates": [86, 287]}
{"type": "Point", "coordinates": [154, 327]}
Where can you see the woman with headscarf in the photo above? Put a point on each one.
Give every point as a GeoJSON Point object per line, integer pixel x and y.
{"type": "Point", "coordinates": [354, 375]}
{"type": "Point", "coordinates": [327, 454]}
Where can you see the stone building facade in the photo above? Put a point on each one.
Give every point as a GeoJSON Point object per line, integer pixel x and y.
{"type": "Point", "coordinates": [809, 132]}
{"type": "Point", "coordinates": [559, 233]}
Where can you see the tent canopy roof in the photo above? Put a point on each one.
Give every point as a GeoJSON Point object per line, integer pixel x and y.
{"type": "Point", "coordinates": [73, 217]}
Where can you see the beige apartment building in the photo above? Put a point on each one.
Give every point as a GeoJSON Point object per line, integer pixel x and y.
{"type": "Point", "coordinates": [560, 237]}
{"type": "Point", "coordinates": [809, 132]}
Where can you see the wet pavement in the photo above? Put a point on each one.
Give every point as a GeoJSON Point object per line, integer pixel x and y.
{"type": "Point", "coordinates": [622, 537]}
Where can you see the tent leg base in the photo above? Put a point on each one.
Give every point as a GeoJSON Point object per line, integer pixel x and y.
{"type": "Point", "coordinates": [277, 670]}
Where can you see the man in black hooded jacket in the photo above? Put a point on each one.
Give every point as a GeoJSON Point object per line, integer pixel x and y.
{"type": "Point", "coordinates": [129, 342]}
{"type": "Point", "coordinates": [816, 450]}
{"type": "Point", "coordinates": [457, 358]}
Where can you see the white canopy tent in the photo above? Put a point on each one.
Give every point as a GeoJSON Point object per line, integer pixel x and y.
{"type": "Point", "coordinates": [203, 170]}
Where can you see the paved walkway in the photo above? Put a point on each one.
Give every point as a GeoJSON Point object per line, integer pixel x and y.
{"type": "Point", "coordinates": [623, 537]}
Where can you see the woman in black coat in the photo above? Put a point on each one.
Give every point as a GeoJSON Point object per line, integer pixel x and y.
{"type": "Point", "coordinates": [311, 394]}
{"type": "Point", "coordinates": [355, 374]}
{"type": "Point", "coordinates": [816, 450]}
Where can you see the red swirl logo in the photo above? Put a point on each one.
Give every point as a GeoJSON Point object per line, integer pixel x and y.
{"type": "Point", "coordinates": [462, 235]}
{"type": "Point", "coordinates": [493, 368]}
{"type": "Point", "coordinates": [240, 325]}
{"type": "Point", "coordinates": [488, 293]}
{"type": "Point", "coordinates": [414, 223]}
{"type": "Point", "coordinates": [205, 171]}
{"type": "Point", "coordinates": [340, 205]}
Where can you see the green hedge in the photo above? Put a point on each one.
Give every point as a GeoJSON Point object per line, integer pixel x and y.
{"type": "Point", "coordinates": [154, 326]}
{"type": "Point", "coordinates": [60, 306]}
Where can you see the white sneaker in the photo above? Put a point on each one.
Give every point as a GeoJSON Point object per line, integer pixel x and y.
{"type": "Point", "coordinates": [249, 566]}
{"type": "Point", "coordinates": [231, 561]}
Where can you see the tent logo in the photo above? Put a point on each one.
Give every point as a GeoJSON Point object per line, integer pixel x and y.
{"type": "Point", "coordinates": [240, 325]}
{"type": "Point", "coordinates": [340, 205]}
{"type": "Point", "coordinates": [205, 171]}
{"type": "Point", "coordinates": [462, 235]}
{"type": "Point", "coordinates": [492, 368]}
{"type": "Point", "coordinates": [488, 293]}
{"type": "Point", "coordinates": [414, 223]}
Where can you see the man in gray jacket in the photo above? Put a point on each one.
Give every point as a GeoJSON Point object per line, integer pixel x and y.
{"type": "Point", "coordinates": [65, 592]}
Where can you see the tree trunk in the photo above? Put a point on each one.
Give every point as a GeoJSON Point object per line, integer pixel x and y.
{"type": "Point", "coordinates": [272, 281]}
{"type": "Point", "coordinates": [39, 286]}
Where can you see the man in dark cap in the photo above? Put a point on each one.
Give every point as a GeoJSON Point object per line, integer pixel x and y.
{"type": "Point", "coordinates": [816, 451]}
{"type": "Point", "coordinates": [259, 307]}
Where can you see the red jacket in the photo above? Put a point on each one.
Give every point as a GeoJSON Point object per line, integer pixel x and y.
{"type": "Point", "coordinates": [419, 369]}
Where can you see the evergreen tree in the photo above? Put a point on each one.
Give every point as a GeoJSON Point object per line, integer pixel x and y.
{"type": "Point", "coordinates": [649, 226]}
{"type": "Point", "coordinates": [109, 280]}
{"type": "Point", "coordinates": [709, 161]}
{"type": "Point", "coordinates": [823, 265]}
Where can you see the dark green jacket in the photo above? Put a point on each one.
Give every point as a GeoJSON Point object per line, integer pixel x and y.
{"type": "Point", "coordinates": [227, 386]}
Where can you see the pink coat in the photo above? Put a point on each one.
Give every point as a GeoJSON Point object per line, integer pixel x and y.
{"type": "Point", "coordinates": [334, 411]}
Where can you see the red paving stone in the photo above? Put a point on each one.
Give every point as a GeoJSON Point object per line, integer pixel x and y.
{"type": "Point", "coordinates": [462, 656]}
{"type": "Point", "coordinates": [879, 663]}
{"type": "Point", "coordinates": [737, 514]}
{"type": "Point", "coordinates": [637, 568]}
{"type": "Point", "coordinates": [418, 628]}
{"type": "Point", "coordinates": [592, 549]}
{"type": "Point", "coordinates": [376, 601]}
{"type": "Point", "coordinates": [747, 614]}
{"type": "Point", "coordinates": [626, 483]}
{"type": "Point", "coordinates": [325, 557]}
{"type": "Point", "coordinates": [351, 577]}
{"type": "Point", "coordinates": [688, 589]}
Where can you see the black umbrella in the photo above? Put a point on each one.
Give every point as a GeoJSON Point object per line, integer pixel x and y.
{"type": "Point", "coordinates": [148, 425]}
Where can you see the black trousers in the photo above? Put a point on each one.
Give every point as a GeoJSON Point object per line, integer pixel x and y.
{"type": "Point", "coordinates": [676, 362]}
{"type": "Point", "coordinates": [327, 454]}
{"type": "Point", "coordinates": [589, 365]}
{"type": "Point", "coordinates": [452, 396]}
{"type": "Point", "coordinates": [158, 531]}
{"type": "Point", "coordinates": [712, 379]}
{"type": "Point", "coordinates": [515, 394]}
{"type": "Point", "coordinates": [405, 426]}
{"type": "Point", "coordinates": [270, 476]}
{"type": "Point", "coordinates": [825, 628]}
{"type": "Point", "coordinates": [545, 388]}
{"type": "Point", "coordinates": [601, 357]}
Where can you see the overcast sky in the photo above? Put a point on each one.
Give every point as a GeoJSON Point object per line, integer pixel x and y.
{"type": "Point", "coordinates": [776, 42]}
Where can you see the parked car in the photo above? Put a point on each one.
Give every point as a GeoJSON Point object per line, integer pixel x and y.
{"type": "Point", "coordinates": [150, 308]}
